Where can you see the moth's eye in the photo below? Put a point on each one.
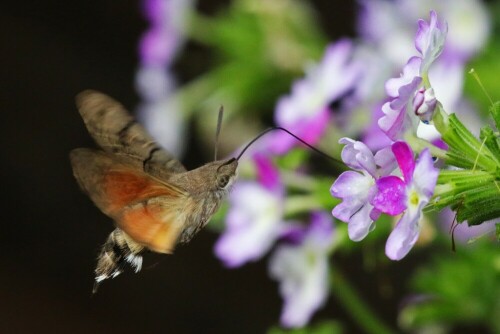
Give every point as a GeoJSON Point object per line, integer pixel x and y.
{"type": "Point", "coordinates": [222, 181]}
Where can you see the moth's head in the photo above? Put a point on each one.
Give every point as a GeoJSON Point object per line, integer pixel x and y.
{"type": "Point", "coordinates": [226, 173]}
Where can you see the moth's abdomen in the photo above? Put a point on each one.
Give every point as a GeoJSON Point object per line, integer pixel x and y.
{"type": "Point", "coordinates": [118, 252]}
{"type": "Point", "coordinates": [154, 223]}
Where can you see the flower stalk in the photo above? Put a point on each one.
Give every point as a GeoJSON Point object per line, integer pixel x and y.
{"type": "Point", "coordinates": [355, 306]}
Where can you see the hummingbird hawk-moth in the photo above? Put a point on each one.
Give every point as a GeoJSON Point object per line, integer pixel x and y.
{"type": "Point", "coordinates": [154, 201]}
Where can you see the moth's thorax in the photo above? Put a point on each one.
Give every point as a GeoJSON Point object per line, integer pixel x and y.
{"type": "Point", "coordinates": [208, 177]}
{"type": "Point", "coordinates": [207, 187]}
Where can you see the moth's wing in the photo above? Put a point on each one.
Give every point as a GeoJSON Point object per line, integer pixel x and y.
{"type": "Point", "coordinates": [117, 132]}
{"type": "Point", "coordinates": [149, 211]}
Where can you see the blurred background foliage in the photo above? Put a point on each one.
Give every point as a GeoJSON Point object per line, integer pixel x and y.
{"type": "Point", "coordinates": [255, 50]}
{"type": "Point", "coordinates": [244, 54]}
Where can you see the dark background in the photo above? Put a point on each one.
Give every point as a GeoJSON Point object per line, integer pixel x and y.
{"type": "Point", "coordinates": [51, 232]}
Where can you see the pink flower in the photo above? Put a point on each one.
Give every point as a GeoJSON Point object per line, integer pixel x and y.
{"type": "Point", "coordinates": [301, 268]}
{"type": "Point", "coordinates": [305, 112]}
{"type": "Point", "coordinates": [159, 110]}
{"type": "Point", "coordinates": [409, 102]}
{"type": "Point", "coordinates": [357, 188]}
{"type": "Point", "coordinates": [430, 39]}
{"type": "Point", "coordinates": [255, 217]}
{"type": "Point", "coordinates": [408, 194]}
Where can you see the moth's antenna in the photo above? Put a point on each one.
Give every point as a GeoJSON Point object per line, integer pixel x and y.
{"type": "Point", "coordinates": [291, 134]}
{"type": "Point", "coordinates": [217, 131]}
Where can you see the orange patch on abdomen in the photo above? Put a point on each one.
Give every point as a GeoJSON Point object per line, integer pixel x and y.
{"type": "Point", "coordinates": [148, 226]}
{"type": "Point", "coordinates": [125, 187]}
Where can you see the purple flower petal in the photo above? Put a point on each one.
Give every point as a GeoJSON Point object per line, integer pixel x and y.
{"type": "Point", "coordinates": [373, 136]}
{"type": "Point", "coordinates": [375, 214]}
{"type": "Point", "coordinates": [425, 175]}
{"type": "Point", "coordinates": [404, 155]}
{"type": "Point", "coordinates": [391, 195]}
{"type": "Point", "coordinates": [267, 173]}
{"type": "Point", "coordinates": [305, 111]}
{"type": "Point", "coordinates": [164, 121]}
{"type": "Point", "coordinates": [386, 161]}
{"type": "Point", "coordinates": [439, 143]}
{"type": "Point", "coordinates": [395, 122]}
{"type": "Point", "coordinates": [411, 71]}
{"type": "Point", "coordinates": [158, 46]}
{"type": "Point", "coordinates": [337, 63]}
{"type": "Point", "coordinates": [345, 210]}
{"type": "Point", "coordinates": [303, 283]}
{"type": "Point", "coordinates": [420, 182]}
{"type": "Point", "coordinates": [254, 222]}
{"type": "Point", "coordinates": [357, 155]}
{"type": "Point", "coordinates": [321, 229]}
{"type": "Point", "coordinates": [404, 235]}
{"type": "Point", "coordinates": [360, 223]}
{"type": "Point", "coordinates": [406, 94]}
{"type": "Point", "coordinates": [308, 129]}
{"type": "Point", "coordinates": [348, 154]}
{"type": "Point", "coordinates": [293, 234]}
{"type": "Point", "coordinates": [155, 10]}
{"type": "Point", "coordinates": [353, 188]}
{"type": "Point", "coordinates": [356, 190]}
{"type": "Point", "coordinates": [430, 39]}
{"type": "Point", "coordinates": [302, 271]}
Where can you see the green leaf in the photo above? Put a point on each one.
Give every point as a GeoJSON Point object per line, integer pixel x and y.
{"type": "Point", "coordinates": [322, 193]}
{"type": "Point", "coordinates": [293, 159]}
{"type": "Point", "coordinates": [491, 141]}
{"type": "Point", "coordinates": [461, 288]}
{"type": "Point", "coordinates": [465, 150]}
{"type": "Point", "coordinates": [495, 114]}
{"type": "Point", "coordinates": [259, 48]}
{"type": "Point", "coordinates": [474, 195]}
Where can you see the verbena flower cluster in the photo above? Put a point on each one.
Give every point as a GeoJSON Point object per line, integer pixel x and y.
{"type": "Point", "coordinates": [402, 151]}
{"type": "Point", "coordinates": [374, 191]}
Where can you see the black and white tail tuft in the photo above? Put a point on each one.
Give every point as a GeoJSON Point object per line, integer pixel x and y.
{"type": "Point", "coordinates": [118, 252]}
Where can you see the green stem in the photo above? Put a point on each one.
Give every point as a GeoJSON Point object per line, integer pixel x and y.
{"type": "Point", "coordinates": [418, 144]}
{"type": "Point", "coordinates": [359, 311]}
{"type": "Point", "coordinates": [200, 28]}
{"type": "Point", "coordinates": [192, 95]}
{"type": "Point", "coordinates": [425, 79]}
{"type": "Point", "coordinates": [298, 204]}
{"type": "Point", "coordinates": [298, 181]}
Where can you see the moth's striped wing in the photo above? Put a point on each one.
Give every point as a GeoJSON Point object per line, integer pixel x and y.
{"type": "Point", "coordinates": [149, 211]}
{"type": "Point", "coordinates": [117, 132]}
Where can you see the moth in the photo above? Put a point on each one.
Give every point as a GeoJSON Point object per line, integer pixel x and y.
{"type": "Point", "coordinates": [154, 201]}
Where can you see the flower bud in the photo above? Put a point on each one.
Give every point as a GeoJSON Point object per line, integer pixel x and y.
{"type": "Point", "coordinates": [424, 104]}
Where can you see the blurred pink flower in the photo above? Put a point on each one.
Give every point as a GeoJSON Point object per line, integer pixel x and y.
{"type": "Point", "coordinates": [301, 268]}
{"type": "Point", "coordinates": [306, 112]}
{"type": "Point", "coordinates": [255, 217]}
